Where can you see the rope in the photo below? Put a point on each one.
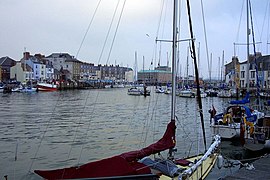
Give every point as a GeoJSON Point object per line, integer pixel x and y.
{"type": "Point", "coordinates": [118, 23]}
{"type": "Point", "coordinates": [105, 42]}
{"type": "Point", "coordinates": [87, 29]}
{"type": "Point", "coordinates": [205, 38]}
{"type": "Point", "coordinates": [43, 135]}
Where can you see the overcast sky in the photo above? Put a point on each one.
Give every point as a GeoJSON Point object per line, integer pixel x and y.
{"type": "Point", "coordinates": [52, 26]}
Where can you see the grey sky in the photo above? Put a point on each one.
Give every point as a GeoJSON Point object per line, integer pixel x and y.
{"type": "Point", "coordinates": [48, 26]}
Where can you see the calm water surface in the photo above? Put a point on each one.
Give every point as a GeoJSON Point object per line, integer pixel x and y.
{"type": "Point", "coordinates": [47, 130]}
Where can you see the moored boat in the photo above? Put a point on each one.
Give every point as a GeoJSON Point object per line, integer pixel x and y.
{"type": "Point", "coordinates": [228, 123]}
{"type": "Point", "coordinates": [186, 93]}
{"type": "Point", "coordinates": [134, 91]}
{"type": "Point", "coordinates": [46, 87]}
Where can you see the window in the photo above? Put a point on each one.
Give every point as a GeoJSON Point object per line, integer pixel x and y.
{"type": "Point", "coordinates": [252, 74]}
{"type": "Point", "coordinates": [242, 74]}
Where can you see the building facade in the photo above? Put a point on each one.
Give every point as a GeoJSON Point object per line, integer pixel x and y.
{"type": "Point", "coordinates": [5, 64]}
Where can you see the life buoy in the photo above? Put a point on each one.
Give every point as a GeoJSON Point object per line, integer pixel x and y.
{"type": "Point", "coordinates": [227, 118]}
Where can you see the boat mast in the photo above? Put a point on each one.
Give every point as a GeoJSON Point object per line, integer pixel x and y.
{"type": "Point", "coordinates": [174, 50]}
{"type": "Point", "coordinates": [248, 32]}
{"type": "Point", "coordinates": [196, 73]}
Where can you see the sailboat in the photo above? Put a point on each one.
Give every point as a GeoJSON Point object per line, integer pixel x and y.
{"type": "Point", "coordinates": [256, 135]}
{"type": "Point", "coordinates": [239, 115]}
{"type": "Point", "coordinates": [228, 123]}
{"type": "Point", "coordinates": [139, 164]}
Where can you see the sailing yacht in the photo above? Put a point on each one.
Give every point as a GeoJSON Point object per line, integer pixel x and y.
{"type": "Point", "coordinates": [140, 164]}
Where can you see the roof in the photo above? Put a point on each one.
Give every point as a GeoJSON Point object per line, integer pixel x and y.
{"type": "Point", "coordinates": [7, 61]}
{"type": "Point", "coordinates": [60, 55]}
{"type": "Point", "coordinates": [154, 71]}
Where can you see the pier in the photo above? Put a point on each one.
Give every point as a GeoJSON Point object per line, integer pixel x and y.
{"type": "Point", "coordinates": [260, 171]}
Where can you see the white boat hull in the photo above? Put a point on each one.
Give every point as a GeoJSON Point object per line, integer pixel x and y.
{"type": "Point", "coordinates": [186, 93]}
{"type": "Point", "coordinates": [46, 87]}
{"type": "Point", "coordinates": [225, 131]}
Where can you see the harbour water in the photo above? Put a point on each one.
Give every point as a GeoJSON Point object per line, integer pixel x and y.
{"type": "Point", "coordinates": [48, 130]}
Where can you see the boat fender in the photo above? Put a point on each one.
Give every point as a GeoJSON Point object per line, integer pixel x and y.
{"type": "Point", "coordinates": [227, 118]}
{"type": "Point", "coordinates": [220, 161]}
{"type": "Point", "coordinates": [250, 125]}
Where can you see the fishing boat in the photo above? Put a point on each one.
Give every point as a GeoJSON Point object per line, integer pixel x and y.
{"type": "Point", "coordinates": [140, 164]}
{"type": "Point", "coordinates": [46, 87]}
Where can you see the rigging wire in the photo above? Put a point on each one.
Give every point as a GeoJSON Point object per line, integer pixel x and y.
{"type": "Point", "coordinates": [196, 74]}
{"type": "Point", "coordinates": [158, 27]}
{"type": "Point", "coordinates": [107, 35]}
{"type": "Point", "coordinates": [118, 23]}
{"type": "Point", "coordinates": [205, 38]}
{"type": "Point", "coordinates": [89, 25]}
{"type": "Point", "coordinates": [239, 24]}
{"type": "Point", "coordinates": [254, 49]}
{"type": "Point", "coordinates": [43, 135]}
{"type": "Point", "coordinates": [264, 19]}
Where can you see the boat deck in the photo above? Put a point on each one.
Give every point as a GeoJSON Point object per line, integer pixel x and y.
{"type": "Point", "coordinates": [261, 171]}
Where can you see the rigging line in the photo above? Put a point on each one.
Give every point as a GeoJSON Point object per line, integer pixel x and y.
{"type": "Point", "coordinates": [264, 19]}
{"type": "Point", "coordinates": [199, 100]}
{"type": "Point", "coordinates": [239, 24]}
{"type": "Point", "coordinates": [118, 23]}
{"type": "Point", "coordinates": [76, 131]}
{"type": "Point", "coordinates": [205, 38]}
{"type": "Point", "coordinates": [88, 127]}
{"type": "Point", "coordinates": [89, 25]}
{"type": "Point", "coordinates": [146, 123]}
{"type": "Point", "coordinates": [162, 34]}
{"type": "Point", "coordinates": [43, 135]}
{"type": "Point", "coordinates": [254, 49]}
{"type": "Point", "coordinates": [267, 35]}
{"type": "Point", "coordinates": [130, 123]}
{"type": "Point", "coordinates": [105, 42]}
{"type": "Point", "coordinates": [159, 22]}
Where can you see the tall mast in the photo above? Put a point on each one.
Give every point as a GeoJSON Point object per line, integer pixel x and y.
{"type": "Point", "coordinates": [174, 50]}
{"type": "Point", "coordinates": [199, 100]}
{"type": "Point", "coordinates": [248, 32]}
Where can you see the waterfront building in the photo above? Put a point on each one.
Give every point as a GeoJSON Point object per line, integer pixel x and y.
{"type": "Point", "coordinates": [154, 77]}
{"type": "Point", "coordinates": [37, 64]}
{"type": "Point", "coordinates": [129, 76]}
{"type": "Point", "coordinates": [236, 72]}
{"type": "Point", "coordinates": [111, 72]}
{"type": "Point", "coordinates": [87, 71]}
{"type": "Point", "coordinates": [21, 72]}
{"type": "Point", "coordinates": [64, 61]}
{"type": "Point", "coordinates": [5, 64]}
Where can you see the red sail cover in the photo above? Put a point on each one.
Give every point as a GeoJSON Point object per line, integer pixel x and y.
{"type": "Point", "coordinates": [121, 165]}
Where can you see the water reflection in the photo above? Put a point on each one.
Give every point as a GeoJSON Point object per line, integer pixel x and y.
{"type": "Point", "coordinates": [66, 128]}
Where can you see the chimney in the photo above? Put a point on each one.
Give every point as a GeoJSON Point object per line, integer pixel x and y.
{"type": "Point", "coordinates": [26, 55]}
